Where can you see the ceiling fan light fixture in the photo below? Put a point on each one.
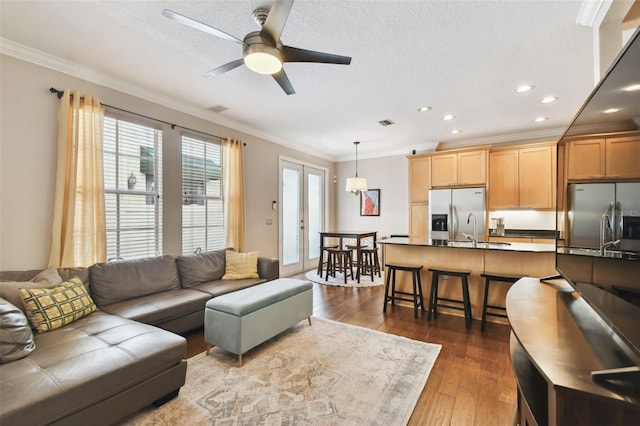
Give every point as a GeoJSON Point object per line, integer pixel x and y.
{"type": "Point", "coordinates": [262, 63]}
{"type": "Point", "coordinates": [260, 57]}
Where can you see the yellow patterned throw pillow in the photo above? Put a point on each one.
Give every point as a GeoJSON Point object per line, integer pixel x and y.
{"type": "Point", "coordinates": [240, 265]}
{"type": "Point", "coordinates": [51, 308]}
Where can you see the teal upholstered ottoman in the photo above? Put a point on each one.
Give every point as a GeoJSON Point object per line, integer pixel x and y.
{"type": "Point", "coordinates": [241, 320]}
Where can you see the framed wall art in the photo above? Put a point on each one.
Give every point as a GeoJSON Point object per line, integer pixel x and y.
{"type": "Point", "coordinates": [370, 202]}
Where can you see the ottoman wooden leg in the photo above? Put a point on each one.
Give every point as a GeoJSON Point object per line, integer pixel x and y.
{"type": "Point", "coordinates": [240, 360]}
{"type": "Point", "coordinates": [309, 318]}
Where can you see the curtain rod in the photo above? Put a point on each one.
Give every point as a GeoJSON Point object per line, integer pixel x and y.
{"type": "Point", "coordinates": [59, 94]}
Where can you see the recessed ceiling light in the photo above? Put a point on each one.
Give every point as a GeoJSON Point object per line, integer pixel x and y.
{"type": "Point", "coordinates": [456, 132]}
{"type": "Point", "coordinates": [424, 109]}
{"type": "Point", "coordinates": [540, 119]}
{"type": "Point", "coordinates": [632, 88]}
{"type": "Point", "coordinates": [549, 99]}
{"type": "Point", "coordinates": [525, 88]}
{"type": "Point", "coordinates": [448, 117]}
{"type": "Point", "coordinates": [610, 110]}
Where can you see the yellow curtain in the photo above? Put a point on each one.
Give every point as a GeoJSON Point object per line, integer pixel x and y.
{"type": "Point", "coordinates": [233, 181]}
{"type": "Point", "coordinates": [79, 224]}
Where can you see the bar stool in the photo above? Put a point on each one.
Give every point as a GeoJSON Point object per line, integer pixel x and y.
{"type": "Point", "coordinates": [370, 262]}
{"type": "Point", "coordinates": [490, 276]}
{"type": "Point", "coordinates": [339, 260]}
{"type": "Point", "coordinates": [322, 262]}
{"type": "Point", "coordinates": [416, 295]}
{"type": "Point", "coordinates": [434, 299]}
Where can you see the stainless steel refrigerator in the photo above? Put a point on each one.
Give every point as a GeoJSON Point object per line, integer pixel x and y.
{"type": "Point", "coordinates": [449, 212]}
{"type": "Point", "coordinates": [601, 213]}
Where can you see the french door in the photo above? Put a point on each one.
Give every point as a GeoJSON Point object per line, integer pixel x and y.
{"type": "Point", "coordinates": [302, 215]}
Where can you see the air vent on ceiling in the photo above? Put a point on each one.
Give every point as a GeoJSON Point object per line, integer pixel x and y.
{"type": "Point", "coordinates": [386, 122]}
{"type": "Point", "coordinates": [218, 108]}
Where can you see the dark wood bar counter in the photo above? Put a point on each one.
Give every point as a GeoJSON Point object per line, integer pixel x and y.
{"type": "Point", "coordinates": [557, 341]}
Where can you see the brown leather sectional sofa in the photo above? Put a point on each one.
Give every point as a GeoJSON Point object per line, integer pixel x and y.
{"type": "Point", "coordinates": [125, 356]}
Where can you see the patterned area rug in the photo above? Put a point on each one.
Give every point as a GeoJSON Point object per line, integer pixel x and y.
{"type": "Point", "coordinates": [328, 373]}
{"type": "Point", "coordinates": [365, 280]}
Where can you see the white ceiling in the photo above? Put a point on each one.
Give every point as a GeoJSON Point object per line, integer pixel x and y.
{"type": "Point", "coordinates": [459, 57]}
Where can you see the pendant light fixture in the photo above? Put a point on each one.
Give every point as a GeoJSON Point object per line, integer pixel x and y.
{"type": "Point", "coordinates": [356, 184]}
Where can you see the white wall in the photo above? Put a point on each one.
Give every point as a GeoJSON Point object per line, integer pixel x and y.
{"type": "Point", "coordinates": [28, 127]}
{"type": "Point", "coordinates": [390, 175]}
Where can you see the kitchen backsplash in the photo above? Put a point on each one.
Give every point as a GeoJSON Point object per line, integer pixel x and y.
{"type": "Point", "coordinates": [525, 219]}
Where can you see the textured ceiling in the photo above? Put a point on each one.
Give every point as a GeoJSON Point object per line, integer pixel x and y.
{"type": "Point", "coordinates": [459, 57]}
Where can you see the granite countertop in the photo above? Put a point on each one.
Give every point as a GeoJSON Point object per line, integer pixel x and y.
{"type": "Point", "coordinates": [530, 247]}
{"type": "Point", "coordinates": [525, 233]}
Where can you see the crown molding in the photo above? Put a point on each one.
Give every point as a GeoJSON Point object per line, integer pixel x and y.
{"type": "Point", "coordinates": [536, 135]}
{"type": "Point", "coordinates": [82, 72]}
{"type": "Point", "coordinates": [592, 12]}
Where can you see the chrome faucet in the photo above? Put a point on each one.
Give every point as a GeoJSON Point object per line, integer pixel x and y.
{"type": "Point", "coordinates": [604, 245]}
{"type": "Point", "coordinates": [474, 238]}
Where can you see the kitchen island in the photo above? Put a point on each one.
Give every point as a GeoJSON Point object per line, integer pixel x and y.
{"type": "Point", "coordinates": [525, 259]}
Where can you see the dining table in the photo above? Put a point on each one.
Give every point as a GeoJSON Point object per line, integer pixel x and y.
{"type": "Point", "coordinates": [341, 235]}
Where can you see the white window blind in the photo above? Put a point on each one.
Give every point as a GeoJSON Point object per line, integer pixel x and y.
{"type": "Point", "coordinates": [133, 184]}
{"type": "Point", "coordinates": [202, 213]}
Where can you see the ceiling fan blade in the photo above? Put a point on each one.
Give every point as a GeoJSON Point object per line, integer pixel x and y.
{"type": "Point", "coordinates": [276, 19]}
{"type": "Point", "coordinates": [223, 68]}
{"type": "Point", "coordinates": [283, 81]}
{"type": "Point", "coordinates": [200, 26]}
{"type": "Point", "coordinates": [293, 54]}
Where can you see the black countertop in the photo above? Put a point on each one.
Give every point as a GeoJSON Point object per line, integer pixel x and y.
{"type": "Point", "coordinates": [526, 233]}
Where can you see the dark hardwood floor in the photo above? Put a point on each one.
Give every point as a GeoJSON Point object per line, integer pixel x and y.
{"type": "Point", "coordinates": [471, 383]}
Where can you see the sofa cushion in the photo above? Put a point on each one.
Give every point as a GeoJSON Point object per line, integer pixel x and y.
{"type": "Point", "coordinates": [220, 287]}
{"type": "Point", "coordinates": [16, 338]}
{"type": "Point", "coordinates": [10, 290]}
{"type": "Point", "coordinates": [53, 308]}
{"type": "Point", "coordinates": [240, 265]}
{"type": "Point", "coordinates": [201, 267]}
{"type": "Point", "coordinates": [158, 308]}
{"type": "Point", "coordinates": [85, 362]}
{"type": "Point", "coordinates": [119, 281]}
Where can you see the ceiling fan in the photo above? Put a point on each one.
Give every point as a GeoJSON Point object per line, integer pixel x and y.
{"type": "Point", "coordinates": [262, 51]}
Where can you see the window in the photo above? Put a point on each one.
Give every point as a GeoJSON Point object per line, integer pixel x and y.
{"type": "Point", "coordinates": [202, 213]}
{"type": "Point", "coordinates": [132, 180]}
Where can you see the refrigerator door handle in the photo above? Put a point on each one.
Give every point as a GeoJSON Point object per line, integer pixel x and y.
{"type": "Point", "coordinates": [454, 220]}
{"type": "Point", "coordinates": [612, 221]}
{"type": "Point", "coordinates": [450, 220]}
{"type": "Point", "coordinates": [617, 213]}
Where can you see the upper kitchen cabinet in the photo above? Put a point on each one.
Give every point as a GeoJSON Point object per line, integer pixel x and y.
{"type": "Point", "coordinates": [537, 177]}
{"type": "Point", "coordinates": [461, 168]}
{"type": "Point", "coordinates": [622, 157]}
{"type": "Point", "coordinates": [522, 177]}
{"type": "Point", "coordinates": [503, 179]}
{"type": "Point", "coordinates": [419, 178]}
{"type": "Point", "coordinates": [604, 158]}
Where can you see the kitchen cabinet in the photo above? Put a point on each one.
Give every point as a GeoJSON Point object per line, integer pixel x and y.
{"type": "Point", "coordinates": [419, 179]}
{"type": "Point", "coordinates": [503, 179]}
{"type": "Point", "coordinates": [622, 157]}
{"type": "Point", "coordinates": [604, 157]}
{"type": "Point", "coordinates": [419, 220]}
{"type": "Point", "coordinates": [523, 177]}
{"type": "Point", "coordinates": [419, 185]}
{"type": "Point", "coordinates": [537, 177]}
{"type": "Point", "coordinates": [462, 168]}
